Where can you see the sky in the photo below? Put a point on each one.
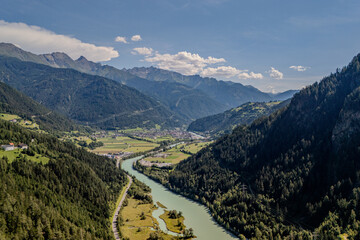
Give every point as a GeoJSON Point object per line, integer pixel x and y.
{"type": "Point", "coordinates": [273, 45]}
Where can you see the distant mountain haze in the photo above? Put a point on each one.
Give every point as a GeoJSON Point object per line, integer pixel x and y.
{"type": "Point", "coordinates": [227, 93]}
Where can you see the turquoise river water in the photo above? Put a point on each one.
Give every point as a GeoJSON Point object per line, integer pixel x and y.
{"type": "Point", "coordinates": [196, 216]}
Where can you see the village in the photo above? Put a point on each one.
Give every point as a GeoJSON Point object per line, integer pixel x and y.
{"type": "Point", "coordinates": [175, 133]}
{"type": "Point", "coordinates": [120, 144]}
{"type": "Point", "coordinates": [152, 134]}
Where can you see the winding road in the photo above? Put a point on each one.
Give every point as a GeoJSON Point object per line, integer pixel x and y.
{"type": "Point", "coordinates": [114, 221]}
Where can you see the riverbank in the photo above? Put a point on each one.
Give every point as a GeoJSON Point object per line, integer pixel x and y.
{"type": "Point", "coordinates": [136, 220]}
{"type": "Point", "coordinates": [116, 214]}
{"type": "Point", "coordinates": [160, 176]}
{"type": "Point", "coordinates": [196, 215]}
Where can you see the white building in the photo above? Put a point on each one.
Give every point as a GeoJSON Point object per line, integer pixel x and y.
{"type": "Point", "coordinates": [8, 147]}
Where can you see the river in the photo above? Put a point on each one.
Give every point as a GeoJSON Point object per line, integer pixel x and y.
{"type": "Point", "coordinates": [196, 215]}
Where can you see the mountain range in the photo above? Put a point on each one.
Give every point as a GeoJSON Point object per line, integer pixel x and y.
{"type": "Point", "coordinates": [189, 97]}
{"type": "Point", "coordinates": [228, 93]}
{"type": "Point", "coordinates": [15, 102]}
{"type": "Point", "coordinates": [87, 99]}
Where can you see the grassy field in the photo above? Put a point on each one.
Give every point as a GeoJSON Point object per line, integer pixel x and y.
{"type": "Point", "coordinates": [8, 117]}
{"type": "Point", "coordinates": [161, 139]}
{"type": "Point", "coordinates": [83, 138]}
{"type": "Point", "coordinates": [24, 123]}
{"type": "Point", "coordinates": [123, 144]}
{"type": "Point", "coordinates": [344, 236]}
{"type": "Point", "coordinates": [12, 155]}
{"type": "Point", "coordinates": [194, 147]}
{"type": "Point", "coordinates": [174, 156]}
{"type": "Point", "coordinates": [136, 228]}
{"type": "Point", "coordinates": [161, 205]}
{"type": "Point", "coordinates": [77, 139]}
{"type": "Point", "coordinates": [131, 130]}
{"type": "Point", "coordinates": [173, 224]}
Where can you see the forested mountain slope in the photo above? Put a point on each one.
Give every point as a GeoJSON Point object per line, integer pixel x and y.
{"type": "Point", "coordinates": [88, 99]}
{"type": "Point", "coordinates": [245, 114]}
{"type": "Point", "coordinates": [187, 102]}
{"type": "Point", "coordinates": [290, 174]}
{"type": "Point", "coordinates": [66, 198]}
{"type": "Point", "coordinates": [14, 102]}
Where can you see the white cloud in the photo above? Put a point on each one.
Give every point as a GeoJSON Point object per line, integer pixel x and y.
{"type": "Point", "coordinates": [230, 72]}
{"type": "Point", "coordinates": [250, 75]}
{"type": "Point", "coordinates": [275, 73]}
{"type": "Point", "coordinates": [191, 63]}
{"type": "Point", "coordinates": [40, 40]}
{"type": "Point", "coordinates": [182, 62]}
{"type": "Point", "coordinates": [136, 38]}
{"type": "Point", "coordinates": [271, 89]}
{"type": "Point", "coordinates": [120, 39]}
{"type": "Point", "coordinates": [299, 68]}
{"type": "Point", "coordinates": [142, 51]}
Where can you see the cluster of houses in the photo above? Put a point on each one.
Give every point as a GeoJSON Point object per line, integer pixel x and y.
{"type": "Point", "coordinates": [12, 146]}
{"type": "Point", "coordinates": [117, 155]}
{"type": "Point", "coordinates": [175, 133]}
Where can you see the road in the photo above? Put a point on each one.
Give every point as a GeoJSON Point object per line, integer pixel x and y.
{"type": "Point", "coordinates": [114, 221]}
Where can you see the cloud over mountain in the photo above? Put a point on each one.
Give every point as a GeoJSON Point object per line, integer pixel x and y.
{"type": "Point", "coordinates": [184, 62]}
{"type": "Point", "coordinates": [142, 51]}
{"type": "Point", "coordinates": [40, 40]}
{"type": "Point", "coordinates": [230, 72]}
{"type": "Point", "coordinates": [274, 73]}
{"type": "Point", "coordinates": [192, 63]}
{"type": "Point", "coordinates": [299, 68]}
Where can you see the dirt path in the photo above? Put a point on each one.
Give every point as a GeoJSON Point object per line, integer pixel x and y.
{"type": "Point", "coordinates": [114, 221]}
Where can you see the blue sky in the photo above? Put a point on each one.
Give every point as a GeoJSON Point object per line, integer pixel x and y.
{"type": "Point", "coordinates": [251, 42]}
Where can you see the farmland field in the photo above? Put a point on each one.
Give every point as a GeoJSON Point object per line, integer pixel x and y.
{"type": "Point", "coordinates": [12, 155]}
{"type": "Point", "coordinates": [24, 123]}
{"type": "Point", "coordinates": [195, 147]}
{"type": "Point", "coordinates": [123, 144]}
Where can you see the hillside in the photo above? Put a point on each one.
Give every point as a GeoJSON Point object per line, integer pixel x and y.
{"type": "Point", "coordinates": [227, 93]}
{"type": "Point", "coordinates": [85, 98]}
{"type": "Point", "coordinates": [178, 97]}
{"type": "Point", "coordinates": [66, 197]}
{"type": "Point", "coordinates": [14, 102]}
{"type": "Point", "coordinates": [245, 114]}
{"type": "Point", "coordinates": [189, 103]}
{"type": "Point", "coordinates": [289, 175]}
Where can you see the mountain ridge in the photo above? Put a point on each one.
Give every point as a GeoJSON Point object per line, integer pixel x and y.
{"type": "Point", "coordinates": [88, 99]}
{"type": "Point", "coordinates": [176, 93]}
{"type": "Point", "coordinates": [15, 102]}
{"type": "Point", "coordinates": [179, 95]}
{"type": "Point", "coordinates": [228, 93]}
{"type": "Point", "coordinates": [244, 114]}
